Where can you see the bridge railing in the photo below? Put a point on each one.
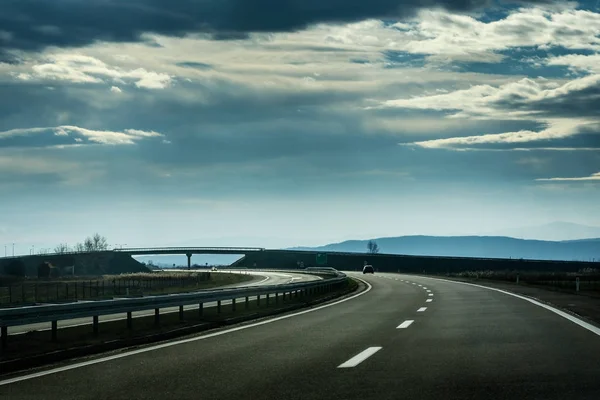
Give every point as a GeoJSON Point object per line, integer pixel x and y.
{"type": "Point", "coordinates": [184, 248]}
{"type": "Point", "coordinates": [93, 309]}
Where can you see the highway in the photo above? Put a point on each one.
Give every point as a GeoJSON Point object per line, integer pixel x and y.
{"type": "Point", "coordinates": [260, 278]}
{"type": "Point", "coordinates": [405, 337]}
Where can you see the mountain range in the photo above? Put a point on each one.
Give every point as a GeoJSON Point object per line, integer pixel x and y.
{"type": "Point", "coordinates": [474, 246]}
{"type": "Point", "coordinates": [554, 231]}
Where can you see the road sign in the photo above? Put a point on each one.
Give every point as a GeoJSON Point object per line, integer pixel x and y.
{"type": "Point", "coordinates": [321, 259]}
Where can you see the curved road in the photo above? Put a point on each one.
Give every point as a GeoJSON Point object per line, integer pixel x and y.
{"type": "Point", "coordinates": [260, 278]}
{"type": "Point", "coordinates": [405, 337]}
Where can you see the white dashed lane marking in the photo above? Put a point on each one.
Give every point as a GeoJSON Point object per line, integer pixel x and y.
{"type": "Point", "coordinates": [360, 357]}
{"type": "Point", "coordinates": [405, 324]}
{"type": "Point", "coordinates": [422, 309]}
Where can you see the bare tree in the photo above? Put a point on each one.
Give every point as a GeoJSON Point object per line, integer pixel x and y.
{"type": "Point", "coordinates": [99, 242]}
{"type": "Point", "coordinates": [79, 247]}
{"type": "Point", "coordinates": [373, 247]}
{"type": "Point", "coordinates": [88, 244]}
{"type": "Point", "coordinates": [61, 248]}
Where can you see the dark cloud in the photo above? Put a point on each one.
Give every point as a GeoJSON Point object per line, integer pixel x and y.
{"type": "Point", "coordinates": [35, 24]}
{"type": "Point", "coordinates": [194, 65]}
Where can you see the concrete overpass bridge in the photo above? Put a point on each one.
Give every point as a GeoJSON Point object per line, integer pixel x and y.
{"type": "Point", "coordinates": [188, 251]}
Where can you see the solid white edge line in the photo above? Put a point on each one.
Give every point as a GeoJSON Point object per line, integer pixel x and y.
{"type": "Point", "coordinates": [422, 309]}
{"type": "Point", "coordinates": [360, 357]}
{"type": "Point", "coordinates": [573, 319]}
{"type": "Point", "coordinates": [405, 324]}
{"type": "Point", "coordinates": [178, 342]}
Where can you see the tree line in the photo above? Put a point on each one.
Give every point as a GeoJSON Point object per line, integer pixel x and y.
{"type": "Point", "coordinates": [96, 242]}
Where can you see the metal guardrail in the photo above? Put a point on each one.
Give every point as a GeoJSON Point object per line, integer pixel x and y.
{"type": "Point", "coordinates": [57, 312]}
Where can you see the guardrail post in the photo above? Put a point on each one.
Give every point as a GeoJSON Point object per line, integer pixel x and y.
{"type": "Point", "coordinates": [156, 316]}
{"type": "Point", "coordinates": [258, 300]}
{"type": "Point", "coordinates": [218, 306]}
{"type": "Point", "coordinates": [295, 293]}
{"type": "Point", "coordinates": [267, 299]}
{"type": "Point", "coordinates": [276, 298]}
{"type": "Point", "coordinates": [283, 296]}
{"type": "Point", "coordinates": [247, 302]}
{"type": "Point", "coordinates": [95, 324]}
{"type": "Point", "coordinates": [181, 313]}
{"type": "Point", "coordinates": [129, 320]}
{"type": "Point", "coordinates": [54, 330]}
{"type": "Point", "coordinates": [233, 304]}
{"type": "Point", "coordinates": [4, 338]}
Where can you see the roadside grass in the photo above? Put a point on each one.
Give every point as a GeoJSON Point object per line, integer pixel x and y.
{"type": "Point", "coordinates": [589, 279]}
{"type": "Point", "coordinates": [110, 286]}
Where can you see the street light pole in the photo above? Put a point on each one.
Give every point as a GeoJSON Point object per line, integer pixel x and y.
{"type": "Point", "coordinates": [13, 249]}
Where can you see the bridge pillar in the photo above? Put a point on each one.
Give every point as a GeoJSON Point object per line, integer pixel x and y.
{"type": "Point", "coordinates": [189, 257]}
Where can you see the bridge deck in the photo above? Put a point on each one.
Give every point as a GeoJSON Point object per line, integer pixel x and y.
{"type": "Point", "coordinates": [189, 250]}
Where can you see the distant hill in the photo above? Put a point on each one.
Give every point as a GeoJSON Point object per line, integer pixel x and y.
{"type": "Point", "coordinates": [474, 246]}
{"type": "Point", "coordinates": [554, 231]}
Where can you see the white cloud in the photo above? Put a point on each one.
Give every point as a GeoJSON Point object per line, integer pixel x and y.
{"type": "Point", "coordinates": [129, 136]}
{"type": "Point", "coordinates": [517, 100]}
{"type": "Point", "coordinates": [558, 129]}
{"type": "Point", "coordinates": [80, 68]}
{"type": "Point", "coordinates": [462, 37]}
{"type": "Point", "coordinates": [577, 62]}
{"type": "Point", "coordinates": [115, 89]}
{"type": "Point", "coordinates": [137, 132]}
{"type": "Point", "coordinates": [484, 101]}
{"type": "Point", "coordinates": [593, 177]}
{"type": "Point", "coordinates": [150, 80]}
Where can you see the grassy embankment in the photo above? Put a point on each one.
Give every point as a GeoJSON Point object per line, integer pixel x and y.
{"type": "Point", "coordinates": [589, 279]}
{"type": "Point", "coordinates": [31, 291]}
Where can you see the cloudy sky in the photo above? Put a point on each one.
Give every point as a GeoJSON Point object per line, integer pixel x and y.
{"type": "Point", "coordinates": [279, 123]}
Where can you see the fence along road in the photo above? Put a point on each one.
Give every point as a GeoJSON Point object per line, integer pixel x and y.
{"type": "Point", "coordinates": [263, 278]}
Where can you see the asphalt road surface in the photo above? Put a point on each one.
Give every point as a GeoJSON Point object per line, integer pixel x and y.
{"type": "Point", "coordinates": [407, 337]}
{"type": "Point", "coordinates": [261, 278]}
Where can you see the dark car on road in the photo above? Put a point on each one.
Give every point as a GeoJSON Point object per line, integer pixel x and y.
{"type": "Point", "coordinates": [368, 269]}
